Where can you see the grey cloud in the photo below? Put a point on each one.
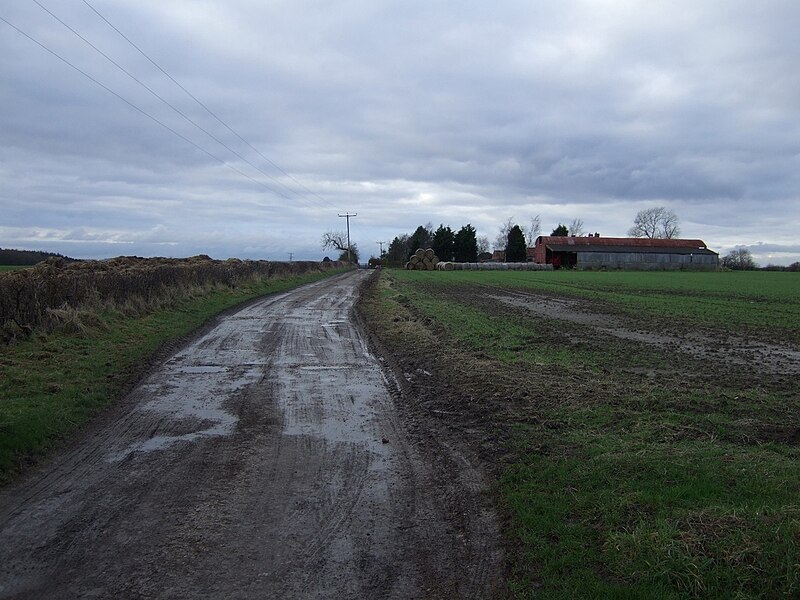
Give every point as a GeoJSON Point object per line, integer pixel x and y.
{"type": "Point", "coordinates": [405, 112]}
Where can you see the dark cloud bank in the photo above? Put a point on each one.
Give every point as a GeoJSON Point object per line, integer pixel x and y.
{"type": "Point", "coordinates": [405, 112]}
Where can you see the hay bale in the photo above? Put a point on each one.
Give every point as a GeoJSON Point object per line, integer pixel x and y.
{"type": "Point", "coordinates": [423, 259]}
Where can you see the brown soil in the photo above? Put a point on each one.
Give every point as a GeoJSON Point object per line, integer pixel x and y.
{"type": "Point", "coordinates": [268, 457]}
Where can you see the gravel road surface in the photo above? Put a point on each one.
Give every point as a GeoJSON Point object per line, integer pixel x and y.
{"type": "Point", "coordinates": [268, 457]}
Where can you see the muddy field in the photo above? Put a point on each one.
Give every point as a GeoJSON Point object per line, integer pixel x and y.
{"type": "Point", "coordinates": [617, 440]}
{"type": "Point", "coordinates": [671, 351]}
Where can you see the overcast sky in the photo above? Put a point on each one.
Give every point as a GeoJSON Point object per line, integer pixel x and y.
{"type": "Point", "coordinates": [404, 112]}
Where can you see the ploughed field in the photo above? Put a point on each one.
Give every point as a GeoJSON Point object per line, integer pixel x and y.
{"type": "Point", "coordinates": [643, 428]}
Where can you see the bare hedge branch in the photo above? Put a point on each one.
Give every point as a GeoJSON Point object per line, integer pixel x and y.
{"type": "Point", "coordinates": [28, 296]}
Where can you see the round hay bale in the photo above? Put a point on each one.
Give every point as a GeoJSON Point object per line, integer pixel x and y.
{"type": "Point", "coordinates": [414, 259]}
{"type": "Point", "coordinates": [420, 253]}
{"type": "Point", "coordinates": [429, 253]}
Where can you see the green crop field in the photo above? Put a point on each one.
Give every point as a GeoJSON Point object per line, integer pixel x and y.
{"type": "Point", "coordinates": [626, 468]}
{"type": "Point", "coordinates": [4, 268]}
{"type": "Point", "coordinates": [758, 301]}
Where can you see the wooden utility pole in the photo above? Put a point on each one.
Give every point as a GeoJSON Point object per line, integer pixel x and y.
{"type": "Point", "coordinates": [347, 216]}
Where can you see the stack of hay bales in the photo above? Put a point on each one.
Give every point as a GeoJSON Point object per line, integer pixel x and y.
{"type": "Point", "coordinates": [422, 260]}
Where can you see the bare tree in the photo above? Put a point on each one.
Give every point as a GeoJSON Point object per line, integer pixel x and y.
{"type": "Point", "coordinates": [658, 222]}
{"type": "Point", "coordinates": [576, 227]}
{"type": "Point", "coordinates": [483, 244]}
{"type": "Point", "coordinates": [502, 236]}
{"type": "Point", "coordinates": [739, 259]}
{"type": "Point", "coordinates": [334, 239]}
{"type": "Point", "coordinates": [338, 240]}
{"type": "Point", "coordinates": [533, 231]}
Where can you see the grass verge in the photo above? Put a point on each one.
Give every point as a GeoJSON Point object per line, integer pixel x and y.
{"type": "Point", "coordinates": [624, 472]}
{"type": "Point", "coordinates": [51, 384]}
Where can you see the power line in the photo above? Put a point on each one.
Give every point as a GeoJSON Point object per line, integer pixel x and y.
{"type": "Point", "coordinates": [202, 105]}
{"type": "Point", "coordinates": [170, 105]}
{"type": "Point", "coordinates": [132, 105]}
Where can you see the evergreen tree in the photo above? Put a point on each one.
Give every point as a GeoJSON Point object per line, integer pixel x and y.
{"type": "Point", "coordinates": [397, 254]}
{"type": "Point", "coordinates": [421, 238]}
{"type": "Point", "coordinates": [561, 230]}
{"type": "Point", "coordinates": [442, 243]}
{"type": "Point", "coordinates": [516, 249]}
{"type": "Point", "coordinates": [465, 246]}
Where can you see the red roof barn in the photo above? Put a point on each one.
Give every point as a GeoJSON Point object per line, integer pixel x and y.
{"type": "Point", "coordinates": [595, 252]}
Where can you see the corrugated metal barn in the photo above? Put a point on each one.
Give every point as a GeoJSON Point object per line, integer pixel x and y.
{"type": "Point", "coordinates": [595, 252]}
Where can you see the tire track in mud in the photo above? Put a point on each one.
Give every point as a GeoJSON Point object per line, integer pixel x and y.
{"type": "Point", "coordinates": [265, 458]}
{"type": "Point", "coordinates": [734, 351]}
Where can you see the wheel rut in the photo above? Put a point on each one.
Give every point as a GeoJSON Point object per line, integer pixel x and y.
{"type": "Point", "coordinates": [264, 458]}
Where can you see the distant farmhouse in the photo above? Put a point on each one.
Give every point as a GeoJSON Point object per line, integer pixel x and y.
{"type": "Point", "coordinates": [595, 252]}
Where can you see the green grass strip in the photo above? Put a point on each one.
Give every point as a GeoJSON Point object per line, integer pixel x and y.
{"type": "Point", "coordinates": [50, 385]}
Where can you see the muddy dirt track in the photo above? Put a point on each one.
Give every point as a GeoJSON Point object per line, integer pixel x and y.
{"type": "Point", "coordinates": [267, 458]}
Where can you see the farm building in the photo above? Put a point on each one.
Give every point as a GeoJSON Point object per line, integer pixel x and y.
{"type": "Point", "coordinates": [595, 252]}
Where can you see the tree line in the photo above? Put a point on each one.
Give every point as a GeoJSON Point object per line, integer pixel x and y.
{"type": "Point", "coordinates": [741, 259]}
{"type": "Point", "coordinates": [10, 256]}
{"type": "Point", "coordinates": [448, 245]}
{"type": "Point", "coordinates": [512, 239]}
{"type": "Point", "coordinates": [464, 245]}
